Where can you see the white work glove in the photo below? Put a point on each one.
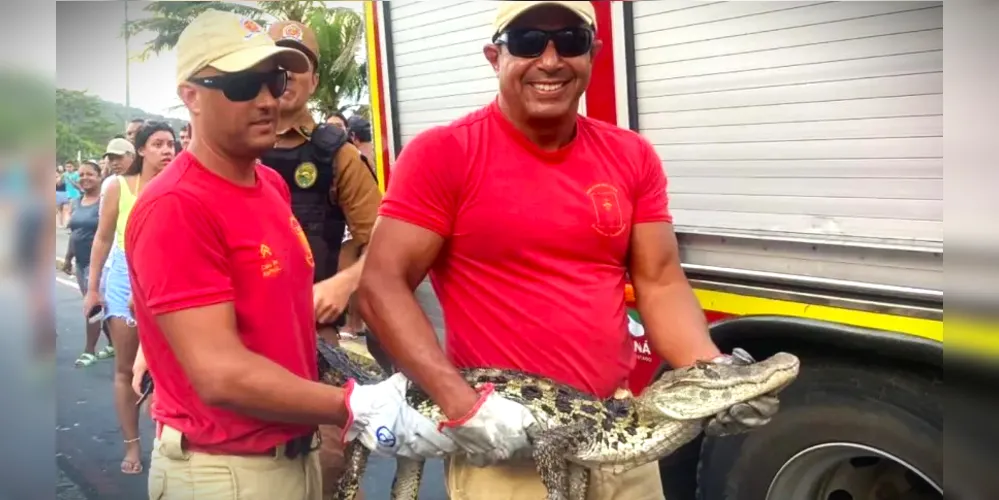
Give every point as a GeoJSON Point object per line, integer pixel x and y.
{"type": "Point", "coordinates": [742, 417]}
{"type": "Point", "coordinates": [494, 430]}
{"type": "Point", "coordinates": [381, 420]}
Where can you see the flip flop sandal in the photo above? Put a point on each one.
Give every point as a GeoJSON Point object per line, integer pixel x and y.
{"type": "Point", "coordinates": [107, 352]}
{"type": "Point", "coordinates": [129, 467]}
{"type": "Point", "coordinates": [86, 359]}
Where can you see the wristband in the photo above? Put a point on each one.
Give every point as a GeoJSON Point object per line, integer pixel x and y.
{"type": "Point", "coordinates": [484, 393]}
{"type": "Point", "coordinates": [347, 391]}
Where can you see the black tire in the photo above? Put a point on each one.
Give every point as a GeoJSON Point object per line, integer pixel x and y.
{"type": "Point", "coordinates": [886, 408]}
{"type": "Point", "coordinates": [679, 471]}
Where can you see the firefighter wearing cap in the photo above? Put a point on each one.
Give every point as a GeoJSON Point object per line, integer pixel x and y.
{"type": "Point", "coordinates": [331, 189]}
{"type": "Point", "coordinates": [228, 331]}
{"type": "Point", "coordinates": [529, 217]}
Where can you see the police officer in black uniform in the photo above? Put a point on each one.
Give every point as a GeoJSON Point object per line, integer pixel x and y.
{"type": "Point", "coordinates": [331, 185]}
{"type": "Point", "coordinates": [331, 189]}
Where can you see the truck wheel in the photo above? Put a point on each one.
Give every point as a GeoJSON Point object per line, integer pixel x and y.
{"type": "Point", "coordinates": [844, 432]}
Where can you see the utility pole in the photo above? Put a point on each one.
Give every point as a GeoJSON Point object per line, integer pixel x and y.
{"type": "Point", "coordinates": [128, 100]}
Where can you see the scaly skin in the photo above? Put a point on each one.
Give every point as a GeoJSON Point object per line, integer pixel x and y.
{"type": "Point", "coordinates": [336, 366]}
{"type": "Point", "coordinates": [578, 432]}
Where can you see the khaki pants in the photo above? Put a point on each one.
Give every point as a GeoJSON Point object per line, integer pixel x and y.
{"type": "Point", "coordinates": [521, 482]}
{"type": "Point", "coordinates": [177, 474]}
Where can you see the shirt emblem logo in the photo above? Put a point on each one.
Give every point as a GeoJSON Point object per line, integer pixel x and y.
{"type": "Point", "coordinates": [608, 219]}
{"type": "Point", "coordinates": [306, 175]}
{"type": "Point", "coordinates": [297, 228]}
{"type": "Point", "coordinates": [270, 266]}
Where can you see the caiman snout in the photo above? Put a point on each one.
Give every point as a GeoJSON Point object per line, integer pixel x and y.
{"type": "Point", "coordinates": [703, 390]}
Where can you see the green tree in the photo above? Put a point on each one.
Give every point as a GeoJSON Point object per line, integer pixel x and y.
{"type": "Point", "coordinates": [291, 10]}
{"type": "Point", "coordinates": [339, 33]}
{"type": "Point", "coordinates": [69, 143]}
{"type": "Point", "coordinates": [27, 113]}
{"type": "Point", "coordinates": [81, 125]}
{"type": "Point", "coordinates": [170, 18]}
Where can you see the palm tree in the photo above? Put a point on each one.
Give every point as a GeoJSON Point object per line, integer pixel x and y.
{"type": "Point", "coordinates": [339, 34]}
{"type": "Point", "coordinates": [170, 18]}
{"type": "Point", "coordinates": [291, 10]}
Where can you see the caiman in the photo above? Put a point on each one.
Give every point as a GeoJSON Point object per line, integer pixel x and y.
{"type": "Point", "coordinates": [578, 432]}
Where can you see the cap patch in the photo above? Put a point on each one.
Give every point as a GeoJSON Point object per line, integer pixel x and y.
{"type": "Point", "coordinates": [251, 27]}
{"type": "Point", "coordinates": [292, 32]}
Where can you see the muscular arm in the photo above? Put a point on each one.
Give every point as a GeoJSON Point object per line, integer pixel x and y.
{"type": "Point", "coordinates": [226, 374]}
{"type": "Point", "coordinates": [673, 319]}
{"type": "Point", "coordinates": [195, 312]}
{"type": "Point", "coordinates": [398, 258]}
{"type": "Point", "coordinates": [416, 217]}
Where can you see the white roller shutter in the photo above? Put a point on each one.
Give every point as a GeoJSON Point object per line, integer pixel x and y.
{"type": "Point", "coordinates": [440, 71]}
{"type": "Point", "coordinates": [821, 119]}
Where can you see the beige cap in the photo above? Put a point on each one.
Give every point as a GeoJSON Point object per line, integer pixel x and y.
{"type": "Point", "coordinates": [296, 35]}
{"type": "Point", "coordinates": [119, 147]}
{"type": "Point", "coordinates": [510, 10]}
{"type": "Point", "coordinates": [230, 43]}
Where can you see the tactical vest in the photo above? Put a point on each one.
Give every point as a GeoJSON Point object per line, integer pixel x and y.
{"type": "Point", "coordinates": [309, 171]}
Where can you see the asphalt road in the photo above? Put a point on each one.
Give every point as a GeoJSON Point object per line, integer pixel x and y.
{"type": "Point", "coordinates": [27, 419]}
{"type": "Point", "coordinates": [87, 440]}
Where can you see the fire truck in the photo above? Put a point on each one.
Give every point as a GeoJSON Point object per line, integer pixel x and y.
{"type": "Point", "coordinates": [803, 145]}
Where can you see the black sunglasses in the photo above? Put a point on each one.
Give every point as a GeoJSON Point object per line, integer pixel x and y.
{"type": "Point", "coordinates": [245, 86]}
{"type": "Point", "coordinates": [569, 42]}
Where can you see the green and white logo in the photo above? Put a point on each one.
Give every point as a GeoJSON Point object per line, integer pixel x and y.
{"type": "Point", "coordinates": [634, 327]}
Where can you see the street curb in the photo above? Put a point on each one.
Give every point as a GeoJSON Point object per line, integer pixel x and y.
{"type": "Point", "coordinates": [354, 346]}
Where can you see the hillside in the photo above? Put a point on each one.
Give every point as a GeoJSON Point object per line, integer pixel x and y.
{"type": "Point", "coordinates": [26, 111]}
{"type": "Point", "coordinates": [121, 114]}
{"type": "Point", "coordinates": [86, 123]}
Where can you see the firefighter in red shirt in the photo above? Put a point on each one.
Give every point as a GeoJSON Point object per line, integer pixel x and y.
{"type": "Point", "coordinates": [528, 217]}
{"type": "Point", "coordinates": [222, 286]}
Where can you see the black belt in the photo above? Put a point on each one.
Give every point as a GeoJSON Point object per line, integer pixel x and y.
{"type": "Point", "coordinates": [299, 447]}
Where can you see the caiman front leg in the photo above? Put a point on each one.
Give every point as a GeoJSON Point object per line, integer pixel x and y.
{"type": "Point", "coordinates": [579, 482]}
{"type": "Point", "coordinates": [349, 483]}
{"type": "Point", "coordinates": [551, 447]}
{"type": "Point", "coordinates": [408, 475]}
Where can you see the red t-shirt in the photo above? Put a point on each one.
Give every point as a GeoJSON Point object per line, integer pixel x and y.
{"type": "Point", "coordinates": [533, 271]}
{"type": "Point", "coordinates": [196, 239]}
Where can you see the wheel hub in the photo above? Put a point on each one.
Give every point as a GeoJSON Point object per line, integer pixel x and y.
{"type": "Point", "coordinates": [849, 471]}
